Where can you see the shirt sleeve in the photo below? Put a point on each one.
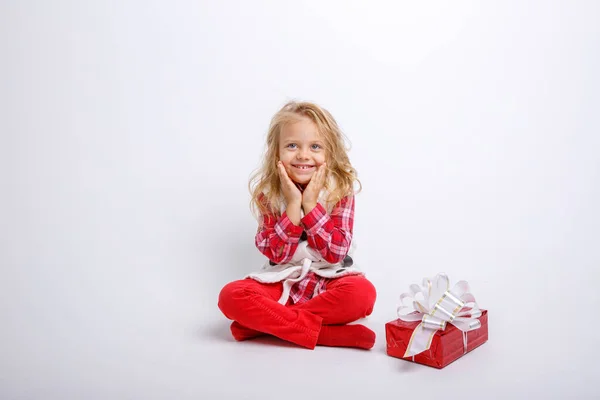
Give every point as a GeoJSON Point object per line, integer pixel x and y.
{"type": "Point", "coordinates": [277, 238]}
{"type": "Point", "coordinates": [331, 235]}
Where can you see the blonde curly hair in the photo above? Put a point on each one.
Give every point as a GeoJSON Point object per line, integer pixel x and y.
{"type": "Point", "coordinates": [264, 184]}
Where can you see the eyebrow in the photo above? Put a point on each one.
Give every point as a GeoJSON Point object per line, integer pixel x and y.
{"type": "Point", "coordinates": [294, 141]}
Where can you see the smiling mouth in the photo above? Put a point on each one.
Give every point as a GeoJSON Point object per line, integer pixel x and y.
{"type": "Point", "coordinates": [304, 167]}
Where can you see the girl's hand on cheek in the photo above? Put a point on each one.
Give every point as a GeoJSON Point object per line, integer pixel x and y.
{"type": "Point", "coordinates": [291, 193]}
{"type": "Point", "coordinates": [313, 189]}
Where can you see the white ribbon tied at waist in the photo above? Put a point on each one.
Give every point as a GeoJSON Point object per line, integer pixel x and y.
{"type": "Point", "coordinates": [434, 304]}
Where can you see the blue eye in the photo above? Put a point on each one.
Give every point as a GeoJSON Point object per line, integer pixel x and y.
{"type": "Point", "coordinates": [291, 145]}
{"type": "Point", "coordinates": [316, 146]}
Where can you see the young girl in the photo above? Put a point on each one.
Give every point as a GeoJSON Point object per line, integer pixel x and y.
{"type": "Point", "coordinates": [304, 194]}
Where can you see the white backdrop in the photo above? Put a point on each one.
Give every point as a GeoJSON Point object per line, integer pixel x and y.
{"type": "Point", "coordinates": [129, 131]}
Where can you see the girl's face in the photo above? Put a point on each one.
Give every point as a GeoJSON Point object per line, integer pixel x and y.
{"type": "Point", "coordinates": [301, 150]}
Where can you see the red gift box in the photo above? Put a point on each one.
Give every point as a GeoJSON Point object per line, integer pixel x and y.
{"type": "Point", "coordinates": [447, 345]}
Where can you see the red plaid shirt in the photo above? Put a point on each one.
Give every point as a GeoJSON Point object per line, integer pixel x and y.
{"type": "Point", "coordinates": [309, 287]}
{"type": "Point", "coordinates": [331, 235]}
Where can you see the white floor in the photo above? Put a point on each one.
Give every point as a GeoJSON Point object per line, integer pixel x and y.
{"type": "Point", "coordinates": [161, 351]}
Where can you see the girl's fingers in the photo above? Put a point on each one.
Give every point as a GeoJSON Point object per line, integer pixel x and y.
{"type": "Point", "coordinates": [318, 176]}
{"type": "Point", "coordinates": [322, 171]}
{"type": "Point", "coordinates": [285, 179]}
{"type": "Point", "coordinates": [281, 170]}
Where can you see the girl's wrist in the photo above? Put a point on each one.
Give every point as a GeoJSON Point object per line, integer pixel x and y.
{"type": "Point", "coordinates": [308, 206]}
{"type": "Point", "coordinates": [295, 204]}
{"type": "Point", "coordinates": [293, 213]}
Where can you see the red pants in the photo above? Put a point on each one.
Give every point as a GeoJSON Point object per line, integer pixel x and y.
{"type": "Point", "coordinates": [254, 305]}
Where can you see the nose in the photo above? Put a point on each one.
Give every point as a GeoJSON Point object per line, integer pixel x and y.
{"type": "Point", "coordinates": [302, 154]}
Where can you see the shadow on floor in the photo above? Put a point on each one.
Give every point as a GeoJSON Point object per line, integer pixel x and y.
{"type": "Point", "coordinates": [219, 331]}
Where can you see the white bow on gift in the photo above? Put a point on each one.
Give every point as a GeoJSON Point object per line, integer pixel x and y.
{"type": "Point", "coordinates": [434, 304]}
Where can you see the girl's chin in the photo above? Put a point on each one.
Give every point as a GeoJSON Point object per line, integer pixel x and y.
{"type": "Point", "coordinates": [301, 181]}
